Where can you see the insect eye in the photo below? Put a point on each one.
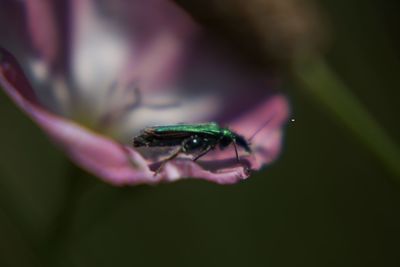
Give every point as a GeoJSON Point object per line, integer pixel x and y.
{"type": "Point", "coordinates": [194, 143]}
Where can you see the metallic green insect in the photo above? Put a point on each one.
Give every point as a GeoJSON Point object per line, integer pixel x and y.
{"type": "Point", "coordinates": [193, 139]}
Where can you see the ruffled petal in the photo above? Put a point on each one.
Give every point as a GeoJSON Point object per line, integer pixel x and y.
{"type": "Point", "coordinates": [209, 81]}
{"type": "Point", "coordinates": [115, 163]}
{"type": "Point", "coordinates": [111, 161]}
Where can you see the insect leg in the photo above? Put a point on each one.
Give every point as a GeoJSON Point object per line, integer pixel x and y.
{"type": "Point", "coordinates": [236, 151]}
{"type": "Point", "coordinates": [182, 148]}
{"type": "Point", "coordinates": [202, 153]}
{"type": "Point", "coordinates": [170, 157]}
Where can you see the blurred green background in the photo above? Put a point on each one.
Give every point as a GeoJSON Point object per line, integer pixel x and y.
{"type": "Point", "coordinates": [327, 201]}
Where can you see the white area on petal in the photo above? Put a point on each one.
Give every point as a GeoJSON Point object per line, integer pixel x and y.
{"type": "Point", "coordinates": [189, 110]}
{"type": "Point", "coordinates": [51, 89]}
{"type": "Point", "coordinates": [39, 69]}
{"type": "Point", "coordinates": [173, 173]}
{"type": "Point", "coordinates": [99, 54]}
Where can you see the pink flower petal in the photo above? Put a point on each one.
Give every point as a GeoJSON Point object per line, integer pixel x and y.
{"type": "Point", "coordinates": [192, 65]}
{"type": "Point", "coordinates": [266, 144]}
{"type": "Point", "coordinates": [111, 161]}
{"type": "Point", "coordinates": [98, 154]}
{"type": "Point", "coordinates": [43, 28]}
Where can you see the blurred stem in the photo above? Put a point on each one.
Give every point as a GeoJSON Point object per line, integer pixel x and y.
{"type": "Point", "coordinates": [58, 239]}
{"type": "Point", "coordinates": [18, 227]}
{"type": "Point", "coordinates": [106, 200]}
{"type": "Point", "coordinates": [322, 83]}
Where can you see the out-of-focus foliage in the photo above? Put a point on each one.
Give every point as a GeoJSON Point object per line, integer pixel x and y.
{"type": "Point", "coordinates": [271, 33]}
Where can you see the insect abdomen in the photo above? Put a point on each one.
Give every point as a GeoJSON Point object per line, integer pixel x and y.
{"type": "Point", "coordinates": [149, 140]}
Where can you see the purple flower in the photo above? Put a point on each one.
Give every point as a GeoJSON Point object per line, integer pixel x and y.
{"type": "Point", "coordinates": [92, 74]}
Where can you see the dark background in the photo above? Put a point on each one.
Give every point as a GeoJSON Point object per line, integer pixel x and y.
{"type": "Point", "coordinates": [327, 201]}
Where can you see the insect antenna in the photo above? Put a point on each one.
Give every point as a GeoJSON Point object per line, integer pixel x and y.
{"type": "Point", "coordinates": [261, 127]}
